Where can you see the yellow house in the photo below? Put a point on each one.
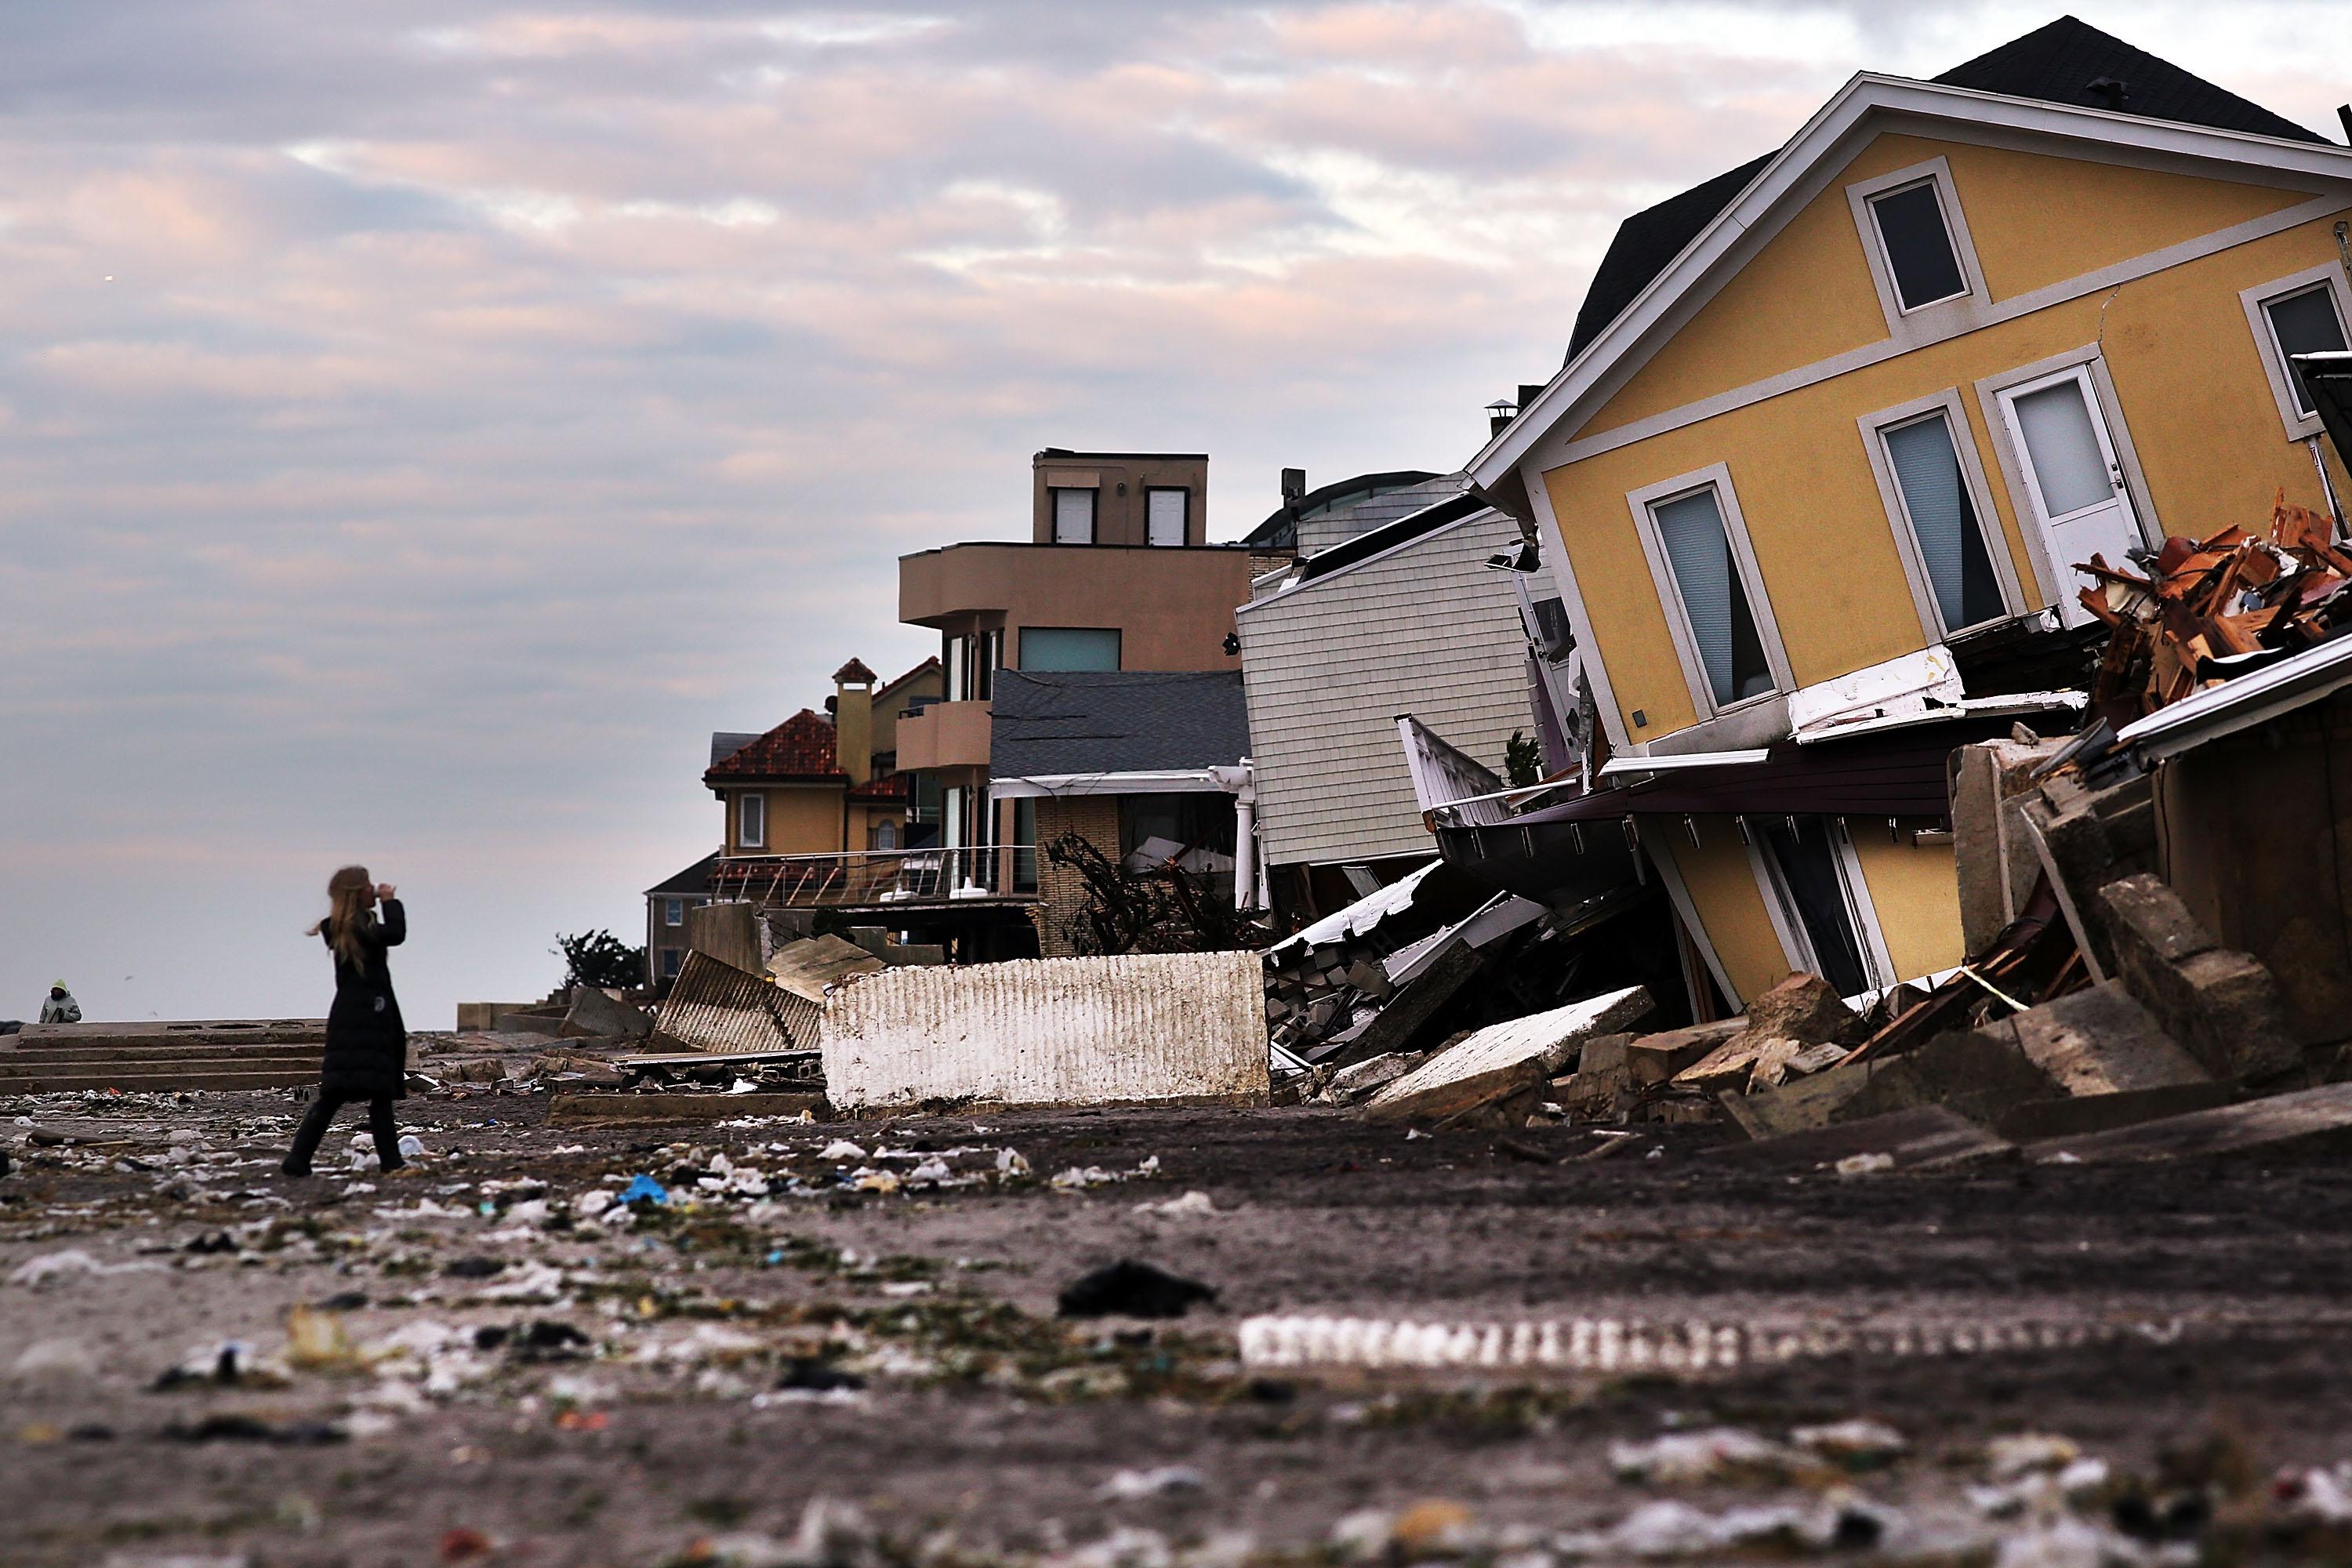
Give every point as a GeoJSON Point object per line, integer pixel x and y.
{"type": "Point", "coordinates": [1837, 427]}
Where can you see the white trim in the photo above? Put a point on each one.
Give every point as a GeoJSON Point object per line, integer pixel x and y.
{"type": "Point", "coordinates": [744, 839]}
{"type": "Point", "coordinates": [1339, 571]}
{"type": "Point", "coordinates": [1176, 780]}
{"type": "Point", "coordinates": [1913, 325]}
{"type": "Point", "coordinates": [1873, 428]}
{"type": "Point", "coordinates": [1552, 454]}
{"type": "Point", "coordinates": [1678, 891]}
{"type": "Point", "coordinates": [1572, 597]}
{"type": "Point", "coordinates": [1863, 95]}
{"type": "Point", "coordinates": [1861, 907]}
{"type": "Point", "coordinates": [1780, 907]}
{"type": "Point", "coordinates": [2051, 574]}
{"type": "Point", "coordinates": [1683, 763]}
{"type": "Point", "coordinates": [1643, 502]}
{"type": "Point", "coordinates": [2300, 427]}
{"type": "Point", "coordinates": [2252, 698]}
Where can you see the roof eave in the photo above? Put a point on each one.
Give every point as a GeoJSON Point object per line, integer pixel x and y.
{"type": "Point", "coordinates": [1865, 93]}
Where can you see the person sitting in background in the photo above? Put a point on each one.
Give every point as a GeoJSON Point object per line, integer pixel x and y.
{"type": "Point", "coordinates": [59, 1006]}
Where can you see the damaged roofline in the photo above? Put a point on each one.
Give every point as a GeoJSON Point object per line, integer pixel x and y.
{"type": "Point", "coordinates": [1227, 780]}
{"type": "Point", "coordinates": [1864, 94]}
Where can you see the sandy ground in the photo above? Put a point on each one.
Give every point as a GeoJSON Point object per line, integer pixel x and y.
{"type": "Point", "coordinates": [669, 1419]}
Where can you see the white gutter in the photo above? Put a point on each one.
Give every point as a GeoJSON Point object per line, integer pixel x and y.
{"type": "Point", "coordinates": [1686, 762]}
{"type": "Point", "coordinates": [1174, 781]}
{"type": "Point", "coordinates": [2242, 703]}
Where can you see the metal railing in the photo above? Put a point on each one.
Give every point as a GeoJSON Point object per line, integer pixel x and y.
{"type": "Point", "coordinates": [879, 876]}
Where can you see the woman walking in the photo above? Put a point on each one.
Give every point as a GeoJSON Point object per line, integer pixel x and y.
{"type": "Point", "coordinates": [367, 1044]}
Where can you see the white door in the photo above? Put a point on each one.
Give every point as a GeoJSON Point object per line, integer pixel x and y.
{"type": "Point", "coordinates": [2072, 479]}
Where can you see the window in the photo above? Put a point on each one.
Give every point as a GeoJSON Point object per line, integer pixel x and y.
{"type": "Point", "coordinates": [751, 821]}
{"type": "Point", "coordinates": [673, 911]}
{"type": "Point", "coordinates": [1811, 883]}
{"type": "Point", "coordinates": [1708, 579]}
{"type": "Point", "coordinates": [2302, 314]}
{"type": "Point", "coordinates": [1168, 512]}
{"type": "Point", "coordinates": [671, 959]}
{"type": "Point", "coordinates": [1917, 245]}
{"type": "Point", "coordinates": [1024, 845]}
{"type": "Point", "coordinates": [1074, 517]}
{"type": "Point", "coordinates": [1069, 648]}
{"type": "Point", "coordinates": [1936, 505]}
{"type": "Point", "coordinates": [885, 836]}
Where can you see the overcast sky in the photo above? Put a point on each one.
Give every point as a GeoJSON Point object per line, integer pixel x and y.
{"type": "Point", "coordinates": [422, 423]}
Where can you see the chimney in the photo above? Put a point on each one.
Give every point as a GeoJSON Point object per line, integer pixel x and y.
{"type": "Point", "coordinates": [1294, 485]}
{"type": "Point", "coordinates": [853, 721]}
{"type": "Point", "coordinates": [2115, 90]}
{"type": "Point", "coordinates": [1499, 414]}
{"type": "Point", "coordinates": [2343, 118]}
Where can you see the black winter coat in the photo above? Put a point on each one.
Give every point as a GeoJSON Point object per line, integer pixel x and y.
{"type": "Point", "coordinates": [367, 1044]}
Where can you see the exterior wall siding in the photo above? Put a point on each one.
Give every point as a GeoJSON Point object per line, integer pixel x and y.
{"type": "Point", "coordinates": [1917, 891]}
{"type": "Point", "coordinates": [1062, 1031]}
{"type": "Point", "coordinates": [1721, 881]}
{"type": "Point", "coordinates": [1428, 630]}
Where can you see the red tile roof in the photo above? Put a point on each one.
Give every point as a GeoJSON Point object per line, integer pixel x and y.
{"type": "Point", "coordinates": [854, 671]}
{"type": "Point", "coordinates": [890, 787]}
{"type": "Point", "coordinates": [801, 747]}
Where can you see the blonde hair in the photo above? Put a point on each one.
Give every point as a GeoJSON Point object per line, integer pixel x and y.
{"type": "Point", "coordinates": [347, 900]}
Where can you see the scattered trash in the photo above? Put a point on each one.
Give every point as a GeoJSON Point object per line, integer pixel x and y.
{"type": "Point", "coordinates": [643, 1189]}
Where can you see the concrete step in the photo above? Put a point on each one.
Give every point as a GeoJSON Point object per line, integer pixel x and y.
{"type": "Point", "coordinates": [159, 1056]}
{"type": "Point", "coordinates": [131, 1067]}
{"type": "Point", "coordinates": [160, 1082]}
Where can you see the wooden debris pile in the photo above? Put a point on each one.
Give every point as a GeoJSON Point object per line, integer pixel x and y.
{"type": "Point", "coordinates": [2215, 609]}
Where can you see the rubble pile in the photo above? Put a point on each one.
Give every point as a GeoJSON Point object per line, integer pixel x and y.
{"type": "Point", "coordinates": [2215, 609]}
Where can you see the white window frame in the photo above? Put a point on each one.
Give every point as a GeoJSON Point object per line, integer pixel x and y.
{"type": "Point", "coordinates": [1643, 503]}
{"type": "Point", "coordinates": [748, 805]}
{"type": "Point", "coordinates": [1873, 428]}
{"type": "Point", "coordinates": [1789, 922]}
{"type": "Point", "coordinates": [673, 911]}
{"type": "Point", "coordinates": [2051, 576]}
{"type": "Point", "coordinates": [1937, 318]}
{"type": "Point", "coordinates": [1053, 494]}
{"type": "Point", "coordinates": [2257, 301]}
{"type": "Point", "coordinates": [1183, 519]}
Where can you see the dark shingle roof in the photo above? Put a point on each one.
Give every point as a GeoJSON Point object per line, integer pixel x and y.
{"type": "Point", "coordinates": [1280, 527]}
{"type": "Point", "coordinates": [694, 879]}
{"type": "Point", "coordinates": [1048, 723]}
{"type": "Point", "coordinates": [725, 743]}
{"type": "Point", "coordinates": [2054, 64]}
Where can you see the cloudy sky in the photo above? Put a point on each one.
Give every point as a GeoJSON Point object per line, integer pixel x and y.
{"type": "Point", "coordinates": [421, 423]}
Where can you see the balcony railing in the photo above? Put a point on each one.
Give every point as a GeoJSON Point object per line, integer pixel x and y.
{"type": "Point", "coordinates": [879, 876]}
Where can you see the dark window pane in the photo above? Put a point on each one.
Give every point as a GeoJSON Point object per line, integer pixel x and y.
{"type": "Point", "coordinates": [1943, 521]}
{"type": "Point", "coordinates": [1807, 867]}
{"type": "Point", "coordinates": [1911, 225]}
{"type": "Point", "coordinates": [2305, 324]}
{"type": "Point", "coordinates": [1714, 599]}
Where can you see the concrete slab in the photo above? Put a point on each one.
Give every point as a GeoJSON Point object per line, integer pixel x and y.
{"type": "Point", "coordinates": [807, 968]}
{"type": "Point", "coordinates": [2101, 1041]}
{"type": "Point", "coordinates": [1503, 1058]}
{"type": "Point", "coordinates": [1921, 1136]}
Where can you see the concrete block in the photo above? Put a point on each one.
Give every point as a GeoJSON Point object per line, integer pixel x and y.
{"type": "Point", "coordinates": [1654, 1058]}
{"type": "Point", "coordinates": [1504, 1059]}
{"type": "Point", "coordinates": [594, 1014]}
{"type": "Point", "coordinates": [1807, 1009]}
{"type": "Point", "coordinates": [2319, 1120]}
{"type": "Point", "coordinates": [728, 932]}
{"type": "Point", "coordinates": [1976, 1073]}
{"type": "Point", "coordinates": [1604, 1054]}
{"type": "Point", "coordinates": [2224, 1007]}
{"type": "Point", "coordinates": [1992, 853]}
{"type": "Point", "coordinates": [1798, 1106]}
{"type": "Point", "coordinates": [2080, 1115]}
{"type": "Point", "coordinates": [2100, 1041]}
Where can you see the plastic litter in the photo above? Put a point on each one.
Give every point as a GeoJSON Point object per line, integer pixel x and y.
{"type": "Point", "coordinates": [1131, 1290]}
{"type": "Point", "coordinates": [643, 1187]}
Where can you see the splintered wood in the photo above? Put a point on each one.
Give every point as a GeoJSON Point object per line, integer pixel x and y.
{"type": "Point", "coordinates": [2215, 609]}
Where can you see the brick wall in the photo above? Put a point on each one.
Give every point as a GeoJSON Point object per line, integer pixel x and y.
{"type": "Point", "coordinates": [1094, 817]}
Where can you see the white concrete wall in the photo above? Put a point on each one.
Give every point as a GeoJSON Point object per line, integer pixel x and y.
{"type": "Point", "coordinates": [1051, 1031]}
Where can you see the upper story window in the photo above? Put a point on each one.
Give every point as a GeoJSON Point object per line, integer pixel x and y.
{"type": "Point", "coordinates": [1168, 514]}
{"type": "Point", "coordinates": [751, 821]}
{"type": "Point", "coordinates": [1936, 498]}
{"type": "Point", "coordinates": [673, 911]}
{"type": "Point", "coordinates": [1917, 245]}
{"type": "Point", "coordinates": [1714, 599]}
{"type": "Point", "coordinates": [2302, 314]}
{"type": "Point", "coordinates": [1074, 516]}
{"type": "Point", "coordinates": [1922, 261]}
{"type": "Point", "coordinates": [1069, 648]}
{"type": "Point", "coordinates": [972, 663]}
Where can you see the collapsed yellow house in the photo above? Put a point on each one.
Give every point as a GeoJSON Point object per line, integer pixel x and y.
{"type": "Point", "coordinates": [1835, 430]}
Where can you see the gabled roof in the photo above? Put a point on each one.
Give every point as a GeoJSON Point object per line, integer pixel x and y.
{"type": "Point", "coordinates": [928, 666]}
{"type": "Point", "coordinates": [854, 671]}
{"type": "Point", "coordinates": [1280, 527]}
{"type": "Point", "coordinates": [800, 749]}
{"type": "Point", "coordinates": [692, 881]}
{"type": "Point", "coordinates": [2057, 63]}
{"type": "Point", "coordinates": [1052, 725]}
{"type": "Point", "coordinates": [1754, 213]}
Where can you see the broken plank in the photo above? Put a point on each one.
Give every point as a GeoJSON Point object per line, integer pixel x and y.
{"type": "Point", "coordinates": [2319, 1115]}
{"type": "Point", "coordinates": [1923, 1136]}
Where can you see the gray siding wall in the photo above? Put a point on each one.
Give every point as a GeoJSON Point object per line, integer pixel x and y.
{"type": "Point", "coordinates": [1428, 630]}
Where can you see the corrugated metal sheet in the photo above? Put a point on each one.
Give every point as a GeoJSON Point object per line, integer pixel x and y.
{"type": "Point", "coordinates": [1051, 1031]}
{"type": "Point", "coordinates": [1428, 630]}
{"type": "Point", "coordinates": [717, 1008]}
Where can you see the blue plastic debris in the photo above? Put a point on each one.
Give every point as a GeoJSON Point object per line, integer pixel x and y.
{"type": "Point", "coordinates": [643, 1187]}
